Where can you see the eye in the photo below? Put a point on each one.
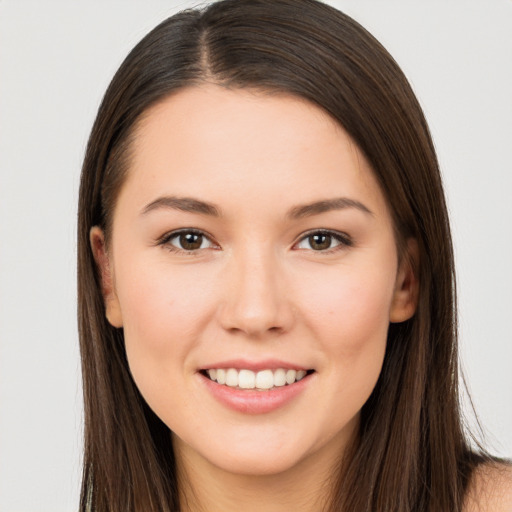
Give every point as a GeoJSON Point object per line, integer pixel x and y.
{"type": "Point", "coordinates": [324, 241]}
{"type": "Point", "coordinates": [186, 240]}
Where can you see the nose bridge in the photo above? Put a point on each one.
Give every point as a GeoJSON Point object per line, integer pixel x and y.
{"type": "Point", "coordinates": [255, 300]}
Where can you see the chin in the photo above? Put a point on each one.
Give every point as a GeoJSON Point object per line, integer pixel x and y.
{"type": "Point", "coordinates": [247, 452]}
{"type": "Point", "coordinates": [256, 463]}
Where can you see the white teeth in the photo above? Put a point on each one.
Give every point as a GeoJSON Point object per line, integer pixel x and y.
{"type": "Point", "coordinates": [290, 376]}
{"type": "Point", "coordinates": [247, 379]}
{"type": "Point", "coordinates": [265, 379]}
{"type": "Point", "coordinates": [221, 376]}
{"type": "Point", "coordinates": [279, 377]}
{"type": "Point", "coordinates": [232, 378]}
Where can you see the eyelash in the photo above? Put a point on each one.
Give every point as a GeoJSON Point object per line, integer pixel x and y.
{"type": "Point", "coordinates": [343, 239]}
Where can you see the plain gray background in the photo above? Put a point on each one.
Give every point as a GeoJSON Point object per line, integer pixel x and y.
{"type": "Point", "coordinates": [56, 59]}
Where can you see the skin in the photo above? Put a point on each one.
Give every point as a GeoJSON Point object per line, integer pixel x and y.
{"type": "Point", "coordinates": [256, 288]}
{"type": "Point", "coordinates": [490, 489]}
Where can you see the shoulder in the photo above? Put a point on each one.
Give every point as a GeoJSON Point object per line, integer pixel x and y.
{"type": "Point", "coordinates": [490, 489]}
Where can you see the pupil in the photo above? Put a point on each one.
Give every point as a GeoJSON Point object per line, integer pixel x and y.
{"type": "Point", "coordinates": [320, 241]}
{"type": "Point", "coordinates": [191, 241]}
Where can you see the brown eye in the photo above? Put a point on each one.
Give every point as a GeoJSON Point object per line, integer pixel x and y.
{"type": "Point", "coordinates": [190, 241]}
{"type": "Point", "coordinates": [320, 241]}
{"type": "Point", "coordinates": [186, 241]}
{"type": "Point", "coordinates": [324, 241]}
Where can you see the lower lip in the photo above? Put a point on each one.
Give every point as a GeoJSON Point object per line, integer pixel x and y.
{"type": "Point", "coordinates": [253, 401]}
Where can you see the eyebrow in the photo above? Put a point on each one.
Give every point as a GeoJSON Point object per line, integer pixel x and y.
{"type": "Point", "coordinates": [191, 205]}
{"type": "Point", "coordinates": [184, 204]}
{"type": "Point", "coordinates": [339, 203]}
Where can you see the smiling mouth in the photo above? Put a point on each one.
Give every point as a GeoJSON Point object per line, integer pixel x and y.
{"type": "Point", "coordinates": [263, 380]}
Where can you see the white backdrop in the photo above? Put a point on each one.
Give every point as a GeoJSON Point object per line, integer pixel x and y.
{"type": "Point", "coordinates": [56, 59]}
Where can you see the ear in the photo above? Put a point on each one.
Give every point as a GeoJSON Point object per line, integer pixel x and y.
{"type": "Point", "coordinates": [99, 250]}
{"type": "Point", "coordinates": [405, 296]}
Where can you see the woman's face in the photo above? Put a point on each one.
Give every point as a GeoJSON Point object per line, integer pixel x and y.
{"type": "Point", "coordinates": [251, 242]}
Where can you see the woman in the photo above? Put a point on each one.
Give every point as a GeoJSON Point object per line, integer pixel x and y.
{"type": "Point", "coordinates": [267, 311]}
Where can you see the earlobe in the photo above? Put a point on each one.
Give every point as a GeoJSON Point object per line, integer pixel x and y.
{"type": "Point", "coordinates": [405, 296]}
{"type": "Point", "coordinates": [99, 250]}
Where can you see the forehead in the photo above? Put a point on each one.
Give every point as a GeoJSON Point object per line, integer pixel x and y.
{"type": "Point", "coordinates": [226, 145]}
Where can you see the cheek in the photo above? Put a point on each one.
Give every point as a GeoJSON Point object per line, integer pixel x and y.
{"type": "Point", "coordinates": [158, 299]}
{"type": "Point", "coordinates": [163, 312]}
{"type": "Point", "coordinates": [351, 309]}
{"type": "Point", "coordinates": [350, 318]}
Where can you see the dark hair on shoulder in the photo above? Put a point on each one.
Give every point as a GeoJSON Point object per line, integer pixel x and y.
{"type": "Point", "coordinates": [411, 453]}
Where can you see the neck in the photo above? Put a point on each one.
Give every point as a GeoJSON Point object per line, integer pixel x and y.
{"type": "Point", "coordinates": [306, 487]}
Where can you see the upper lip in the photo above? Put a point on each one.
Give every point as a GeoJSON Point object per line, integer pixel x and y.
{"type": "Point", "coordinates": [255, 366]}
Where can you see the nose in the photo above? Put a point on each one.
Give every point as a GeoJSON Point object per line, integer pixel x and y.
{"type": "Point", "coordinates": [255, 296]}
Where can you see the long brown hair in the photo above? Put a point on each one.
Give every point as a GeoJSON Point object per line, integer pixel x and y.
{"type": "Point", "coordinates": [411, 453]}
